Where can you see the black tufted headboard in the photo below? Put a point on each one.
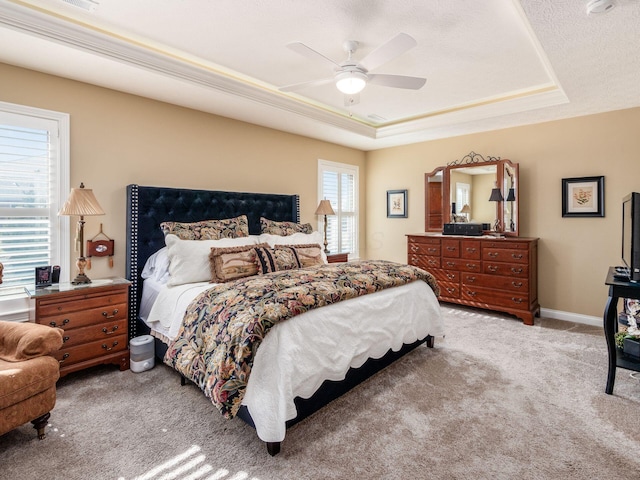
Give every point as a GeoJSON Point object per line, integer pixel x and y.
{"type": "Point", "coordinates": [147, 207]}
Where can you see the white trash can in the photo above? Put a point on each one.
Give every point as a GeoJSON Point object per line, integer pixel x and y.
{"type": "Point", "coordinates": [142, 350]}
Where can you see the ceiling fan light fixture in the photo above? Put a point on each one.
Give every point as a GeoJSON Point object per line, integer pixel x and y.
{"type": "Point", "coordinates": [351, 83]}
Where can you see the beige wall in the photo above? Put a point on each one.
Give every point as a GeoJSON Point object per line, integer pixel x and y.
{"type": "Point", "coordinates": [118, 139]}
{"type": "Point", "coordinates": [574, 253]}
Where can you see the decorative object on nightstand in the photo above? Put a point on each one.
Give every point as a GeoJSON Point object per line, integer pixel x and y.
{"type": "Point", "coordinates": [337, 258]}
{"type": "Point", "coordinates": [81, 203]}
{"type": "Point", "coordinates": [94, 317]}
{"type": "Point", "coordinates": [324, 208]}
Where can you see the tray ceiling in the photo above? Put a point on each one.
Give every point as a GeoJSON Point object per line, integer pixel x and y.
{"type": "Point", "coordinates": [490, 64]}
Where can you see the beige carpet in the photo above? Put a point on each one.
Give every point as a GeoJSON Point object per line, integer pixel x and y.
{"type": "Point", "coordinates": [494, 400]}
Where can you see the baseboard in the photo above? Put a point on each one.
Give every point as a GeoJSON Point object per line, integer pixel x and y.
{"type": "Point", "coordinates": [571, 317]}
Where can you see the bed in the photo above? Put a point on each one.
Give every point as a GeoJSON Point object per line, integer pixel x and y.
{"type": "Point", "coordinates": [148, 207]}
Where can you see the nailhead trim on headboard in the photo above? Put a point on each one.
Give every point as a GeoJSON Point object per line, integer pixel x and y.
{"type": "Point", "coordinates": [147, 207]}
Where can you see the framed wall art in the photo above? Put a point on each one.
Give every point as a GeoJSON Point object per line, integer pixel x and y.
{"type": "Point", "coordinates": [583, 197]}
{"type": "Point", "coordinates": [396, 203]}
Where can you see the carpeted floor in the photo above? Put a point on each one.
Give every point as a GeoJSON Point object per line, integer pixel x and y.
{"type": "Point", "coordinates": [493, 400]}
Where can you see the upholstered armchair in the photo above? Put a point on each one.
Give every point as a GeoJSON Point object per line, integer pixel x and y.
{"type": "Point", "coordinates": [28, 374]}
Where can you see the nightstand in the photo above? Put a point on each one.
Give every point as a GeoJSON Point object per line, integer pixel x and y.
{"type": "Point", "coordinates": [94, 318]}
{"type": "Point", "coordinates": [337, 257]}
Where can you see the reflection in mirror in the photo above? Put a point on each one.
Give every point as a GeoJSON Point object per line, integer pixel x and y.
{"type": "Point", "coordinates": [461, 192]}
{"type": "Point", "coordinates": [472, 186]}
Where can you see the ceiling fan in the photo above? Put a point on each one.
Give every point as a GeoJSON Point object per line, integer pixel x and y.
{"type": "Point", "coordinates": [351, 77]}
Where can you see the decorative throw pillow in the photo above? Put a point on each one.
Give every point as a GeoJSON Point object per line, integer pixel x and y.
{"type": "Point", "coordinates": [296, 239]}
{"type": "Point", "coordinates": [232, 263]}
{"type": "Point", "coordinates": [309, 254]}
{"type": "Point", "coordinates": [189, 259]}
{"type": "Point", "coordinates": [283, 228]}
{"type": "Point", "coordinates": [208, 229]}
{"type": "Point", "coordinates": [275, 260]}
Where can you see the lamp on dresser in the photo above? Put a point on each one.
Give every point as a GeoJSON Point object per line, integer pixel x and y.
{"type": "Point", "coordinates": [324, 208]}
{"type": "Point", "coordinates": [81, 202]}
{"type": "Point", "coordinates": [496, 196]}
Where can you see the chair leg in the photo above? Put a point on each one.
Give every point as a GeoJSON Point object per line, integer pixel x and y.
{"type": "Point", "coordinates": [40, 423]}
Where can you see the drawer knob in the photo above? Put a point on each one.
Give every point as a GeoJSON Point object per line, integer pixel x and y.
{"type": "Point", "coordinates": [471, 279]}
{"type": "Point", "coordinates": [65, 339]}
{"type": "Point", "coordinates": [471, 250]}
{"type": "Point", "coordinates": [113, 330]}
{"type": "Point", "coordinates": [493, 254]}
{"type": "Point", "coordinates": [472, 294]}
{"type": "Point", "coordinates": [516, 270]}
{"type": "Point", "coordinates": [64, 357]}
{"type": "Point", "coordinates": [432, 250]}
{"type": "Point", "coordinates": [451, 264]}
{"type": "Point", "coordinates": [516, 300]}
{"type": "Point", "coordinates": [451, 289]}
{"type": "Point", "coordinates": [516, 256]}
{"type": "Point", "coordinates": [492, 268]}
{"type": "Point", "coordinates": [516, 284]}
{"type": "Point", "coordinates": [450, 276]}
{"type": "Point", "coordinates": [107, 348]}
{"type": "Point", "coordinates": [106, 314]}
{"type": "Point", "coordinates": [471, 266]}
{"type": "Point", "coordinates": [432, 262]}
{"type": "Point", "coordinates": [414, 249]}
{"type": "Point", "coordinates": [451, 249]}
{"type": "Point", "coordinates": [64, 322]}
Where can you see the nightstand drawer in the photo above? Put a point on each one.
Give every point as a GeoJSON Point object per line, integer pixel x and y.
{"type": "Point", "coordinates": [81, 318]}
{"type": "Point", "coordinates": [53, 306]}
{"type": "Point", "coordinates": [69, 355]}
{"type": "Point", "coordinates": [104, 331]}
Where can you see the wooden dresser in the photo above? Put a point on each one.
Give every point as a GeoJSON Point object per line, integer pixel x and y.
{"type": "Point", "coordinates": [486, 272]}
{"type": "Point", "coordinates": [94, 318]}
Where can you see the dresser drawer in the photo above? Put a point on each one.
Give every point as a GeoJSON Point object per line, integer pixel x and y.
{"type": "Point", "coordinates": [451, 248]}
{"type": "Point", "coordinates": [424, 262]}
{"type": "Point", "coordinates": [517, 300]}
{"type": "Point", "coordinates": [496, 282]}
{"type": "Point", "coordinates": [103, 331]}
{"type": "Point", "coordinates": [449, 290]}
{"type": "Point", "coordinates": [505, 255]}
{"type": "Point", "coordinates": [69, 355]}
{"type": "Point", "coordinates": [82, 318]}
{"type": "Point", "coordinates": [507, 269]}
{"type": "Point", "coordinates": [461, 265]}
{"type": "Point", "coordinates": [446, 275]}
{"type": "Point", "coordinates": [424, 248]}
{"type": "Point", "coordinates": [470, 249]}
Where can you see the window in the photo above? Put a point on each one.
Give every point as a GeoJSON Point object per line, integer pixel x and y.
{"type": "Point", "coordinates": [34, 179]}
{"type": "Point", "coordinates": [338, 183]}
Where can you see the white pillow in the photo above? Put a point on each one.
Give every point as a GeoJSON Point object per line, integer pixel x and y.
{"type": "Point", "coordinates": [295, 239]}
{"type": "Point", "coordinates": [157, 266]}
{"type": "Point", "coordinates": [189, 259]}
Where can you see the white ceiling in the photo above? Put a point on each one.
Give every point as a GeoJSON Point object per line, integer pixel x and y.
{"type": "Point", "coordinates": [489, 64]}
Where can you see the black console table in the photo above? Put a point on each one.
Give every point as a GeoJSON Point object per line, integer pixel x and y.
{"type": "Point", "coordinates": [617, 289]}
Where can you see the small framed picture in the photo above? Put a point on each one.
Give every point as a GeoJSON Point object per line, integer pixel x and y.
{"type": "Point", "coordinates": [583, 197]}
{"type": "Point", "coordinates": [396, 203]}
{"type": "Point", "coordinates": [43, 276]}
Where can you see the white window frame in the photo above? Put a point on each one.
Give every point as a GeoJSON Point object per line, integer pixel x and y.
{"type": "Point", "coordinates": [326, 165]}
{"type": "Point", "coordinates": [15, 306]}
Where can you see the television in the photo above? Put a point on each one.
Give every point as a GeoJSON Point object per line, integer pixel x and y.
{"type": "Point", "coordinates": [631, 235]}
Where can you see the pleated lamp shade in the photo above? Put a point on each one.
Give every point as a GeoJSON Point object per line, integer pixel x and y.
{"type": "Point", "coordinates": [81, 202]}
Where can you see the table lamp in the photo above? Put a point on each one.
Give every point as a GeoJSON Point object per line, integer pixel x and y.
{"type": "Point", "coordinates": [496, 196]}
{"type": "Point", "coordinates": [81, 203]}
{"type": "Point", "coordinates": [324, 208]}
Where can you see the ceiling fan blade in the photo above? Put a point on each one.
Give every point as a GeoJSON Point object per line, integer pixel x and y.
{"type": "Point", "coordinates": [350, 100]}
{"type": "Point", "coordinates": [301, 85]}
{"type": "Point", "coordinates": [311, 54]}
{"type": "Point", "coordinates": [388, 51]}
{"type": "Point", "coordinates": [397, 81]}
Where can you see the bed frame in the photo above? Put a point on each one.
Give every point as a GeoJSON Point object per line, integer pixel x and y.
{"type": "Point", "coordinates": [147, 207]}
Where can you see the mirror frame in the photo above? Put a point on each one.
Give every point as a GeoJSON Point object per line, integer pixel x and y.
{"type": "Point", "coordinates": [507, 176]}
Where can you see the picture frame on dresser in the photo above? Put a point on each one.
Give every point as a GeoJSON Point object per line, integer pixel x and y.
{"type": "Point", "coordinates": [396, 203]}
{"type": "Point", "coordinates": [583, 197]}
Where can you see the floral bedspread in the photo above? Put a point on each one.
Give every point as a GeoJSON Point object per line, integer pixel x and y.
{"type": "Point", "coordinates": [224, 326]}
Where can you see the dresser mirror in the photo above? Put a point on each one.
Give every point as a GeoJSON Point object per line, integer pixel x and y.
{"type": "Point", "coordinates": [476, 190]}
